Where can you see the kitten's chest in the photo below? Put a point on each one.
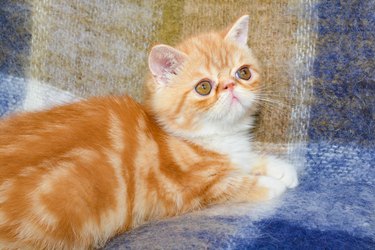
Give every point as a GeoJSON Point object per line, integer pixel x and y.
{"type": "Point", "coordinates": [236, 147]}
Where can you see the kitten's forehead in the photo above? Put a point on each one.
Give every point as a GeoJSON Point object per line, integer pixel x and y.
{"type": "Point", "coordinates": [213, 53]}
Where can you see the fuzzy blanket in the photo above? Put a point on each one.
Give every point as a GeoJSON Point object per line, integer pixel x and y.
{"type": "Point", "coordinates": [318, 55]}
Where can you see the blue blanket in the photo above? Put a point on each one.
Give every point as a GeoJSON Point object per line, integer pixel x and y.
{"type": "Point", "coordinates": [334, 205]}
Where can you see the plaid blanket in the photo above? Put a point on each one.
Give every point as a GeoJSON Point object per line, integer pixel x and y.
{"type": "Point", "coordinates": [318, 58]}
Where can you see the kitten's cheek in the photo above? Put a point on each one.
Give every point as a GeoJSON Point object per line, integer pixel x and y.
{"type": "Point", "coordinates": [249, 101]}
{"type": "Point", "coordinates": [246, 100]}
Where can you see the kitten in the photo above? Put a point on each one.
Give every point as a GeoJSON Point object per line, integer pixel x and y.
{"type": "Point", "coordinates": [76, 175]}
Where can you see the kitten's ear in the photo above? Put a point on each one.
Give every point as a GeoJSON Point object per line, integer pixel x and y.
{"type": "Point", "coordinates": [238, 33]}
{"type": "Point", "coordinates": [164, 61]}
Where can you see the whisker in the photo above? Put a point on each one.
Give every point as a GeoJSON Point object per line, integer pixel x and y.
{"type": "Point", "coordinates": [272, 100]}
{"type": "Point", "coordinates": [264, 88]}
{"type": "Point", "coordinates": [273, 93]}
{"type": "Point", "coordinates": [268, 106]}
{"type": "Point", "coordinates": [271, 103]}
{"type": "Point", "coordinates": [280, 96]}
{"type": "Point", "coordinates": [265, 104]}
{"type": "Point", "coordinates": [273, 96]}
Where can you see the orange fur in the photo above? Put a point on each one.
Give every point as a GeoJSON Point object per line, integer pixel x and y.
{"type": "Point", "coordinates": [63, 178]}
{"type": "Point", "coordinates": [76, 175]}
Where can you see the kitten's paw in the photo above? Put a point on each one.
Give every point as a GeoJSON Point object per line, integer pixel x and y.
{"type": "Point", "coordinates": [274, 186]}
{"type": "Point", "coordinates": [282, 171]}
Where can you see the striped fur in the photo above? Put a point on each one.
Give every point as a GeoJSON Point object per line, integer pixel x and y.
{"type": "Point", "coordinates": [76, 175]}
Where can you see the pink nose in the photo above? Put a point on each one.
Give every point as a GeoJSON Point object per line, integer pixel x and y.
{"type": "Point", "coordinates": [229, 85]}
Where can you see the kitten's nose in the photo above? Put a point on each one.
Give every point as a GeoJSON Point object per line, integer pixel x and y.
{"type": "Point", "coordinates": [229, 85]}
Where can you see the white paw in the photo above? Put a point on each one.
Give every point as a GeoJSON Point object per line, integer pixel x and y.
{"type": "Point", "coordinates": [275, 187]}
{"type": "Point", "coordinates": [282, 171]}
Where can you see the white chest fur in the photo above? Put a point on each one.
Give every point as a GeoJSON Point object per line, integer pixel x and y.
{"type": "Point", "coordinates": [236, 146]}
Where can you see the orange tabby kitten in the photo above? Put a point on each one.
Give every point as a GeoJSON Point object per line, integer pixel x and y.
{"type": "Point", "coordinates": [76, 175]}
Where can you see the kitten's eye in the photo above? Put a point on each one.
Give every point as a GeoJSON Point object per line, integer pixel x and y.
{"type": "Point", "coordinates": [203, 87]}
{"type": "Point", "coordinates": [244, 73]}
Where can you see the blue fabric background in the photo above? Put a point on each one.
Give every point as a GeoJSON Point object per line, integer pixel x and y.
{"type": "Point", "coordinates": [344, 85]}
{"type": "Point", "coordinates": [15, 36]}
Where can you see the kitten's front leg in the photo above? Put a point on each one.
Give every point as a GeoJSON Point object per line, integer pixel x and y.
{"type": "Point", "coordinates": [268, 179]}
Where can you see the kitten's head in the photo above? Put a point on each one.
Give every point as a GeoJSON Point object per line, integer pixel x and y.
{"type": "Point", "coordinates": [205, 85]}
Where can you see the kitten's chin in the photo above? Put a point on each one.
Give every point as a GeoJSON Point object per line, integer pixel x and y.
{"type": "Point", "coordinates": [235, 118]}
{"type": "Point", "coordinates": [230, 110]}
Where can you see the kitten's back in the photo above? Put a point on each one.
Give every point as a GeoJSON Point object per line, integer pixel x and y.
{"type": "Point", "coordinates": [58, 173]}
{"type": "Point", "coordinates": [54, 132]}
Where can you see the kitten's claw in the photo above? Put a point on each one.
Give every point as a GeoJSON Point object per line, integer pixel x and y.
{"type": "Point", "coordinates": [282, 171]}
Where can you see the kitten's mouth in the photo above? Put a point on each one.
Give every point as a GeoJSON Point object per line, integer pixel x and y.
{"type": "Point", "coordinates": [234, 99]}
